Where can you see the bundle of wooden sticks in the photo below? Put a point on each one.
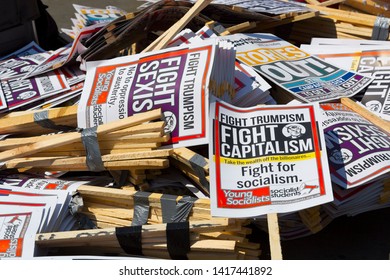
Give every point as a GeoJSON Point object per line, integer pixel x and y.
{"type": "Point", "coordinates": [153, 214]}
{"type": "Point", "coordinates": [220, 239]}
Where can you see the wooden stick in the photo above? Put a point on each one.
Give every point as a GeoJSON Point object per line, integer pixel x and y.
{"type": "Point", "coordinates": [360, 19]}
{"type": "Point", "coordinates": [201, 180]}
{"type": "Point", "coordinates": [94, 191]}
{"type": "Point", "coordinates": [204, 249]}
{"type": "Point", "coordinates": [330, 2]}
{"type": "Point", "coordinates": [168, 35]}
{"type": "Point", "coordinates": [129, 141]}
{"type": "Point", "coordinates": [110, 209]}
{"type": "Point", "coordinates": [154, 202]}
{"type": "Point", "coordinates": [348, 36]}
{"type": "Point", "coordinates": [225, 236]}
{"type": "Point", "coordinates": [385, 125]}
{"type": "Point", "coordinates": [101, 235]}
{"type": "Point", "coordinates": [113, 145]}
{"type": "Point", "coordinates": [354, 30]}
{"type": "Point", "coordinates": [248, 245]}
{"type": "Point", "coordinates": [138, 129]}
{"type": "Point", "coordinates": [135, 132]}
{"type": "Point", "coordinates": [53, 153]}
{"type": "Point", "coordinates": [155, 243]}
{"type": "Point", "coordinates": [347, 8]}
{"type": "Point", "coordinates": [274, 236]}
{"type": "Point", "coordinates": [111, 165]}
{"type": "Point", "coordinates": [190, 158]}
{"type": "Point", "coordinates": [210, 245]}
{"type": "Point", "coordinates": [368, 6]}
{"type": "Point", "coordinates": [68, 138]}
{"type": "Point", "coordinates": [194, 255]}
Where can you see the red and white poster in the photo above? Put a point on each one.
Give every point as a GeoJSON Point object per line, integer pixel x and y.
{"type": "Point", "coordinates": [269, 159]}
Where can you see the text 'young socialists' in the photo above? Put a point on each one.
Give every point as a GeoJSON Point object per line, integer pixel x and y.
{"type": "Point", "coordinates": [99, 95]}
{"type": "Point", "coordinates": [249, 198]}
{"type": "Point", "coordinates": [11, 232]}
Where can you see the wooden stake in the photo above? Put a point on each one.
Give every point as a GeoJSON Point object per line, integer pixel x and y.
{"type": "Point", "coordinates": [274, 237]}
{"type": "Point", "coordinates": [330, 2]}
{"type": "Point", "coordinates": [190, 158]}
{"type": "Point", "coordinates": [347, 8]}
{"type": "Point", "coordinates": [314, 2]}
{"type": "Point", "coordinates": [360, 19]}
{"type": "Point", "coordinates": [239, 28]}
{"type": "Point", "coordinates": [368, 6]}
{"type": "Point", "coordinates": [101, 235]}
{"type": "Point", "coordinates": [23, 122]}
{"type": "Point", "coordinates": [94, 192]}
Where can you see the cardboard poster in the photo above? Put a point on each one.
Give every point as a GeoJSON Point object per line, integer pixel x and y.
{"type": "Point", "coordinates": [359, 151]}
{"type": "Point", "coordinates": [370, 60]}
{"type": "Point", "coordinates": [17, 93]}
{"type": "Point", "coordinates": [17, 231]}
{"type": "Point", "coordinates": [175, 80]}
{"type": "Point", "coordinates": [299, 74]}
{"type": "Point", "coordinates": [266, 159]}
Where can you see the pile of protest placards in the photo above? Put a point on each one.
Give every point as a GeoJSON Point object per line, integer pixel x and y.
{"type": "Point", "coordinates": [109, 208]}
{"type": "Point", "coordinates": [31, 205]}
{"type": "Point", "coordinates": [296, 74]}
{"type": "Point", "coordinates": [31, 78]}
{"type": "Point", "coordinates": [86, 16]}
{"type": "Point", "coordinates": [196, 129]}
{"type": "Point", "coordinates": [368, 57]}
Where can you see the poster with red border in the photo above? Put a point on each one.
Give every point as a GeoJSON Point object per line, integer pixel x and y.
{"type": "Point", "coordinates": [359, 151]}
{"type": "Point", "coordinates": [175, 80]}
{"type": "Point", "coordinates": [18, 227]}
{"type": "Point", "coordinates": [266, 159]}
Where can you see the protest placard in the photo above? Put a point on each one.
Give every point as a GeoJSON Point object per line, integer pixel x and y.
{"type": "Point", "coordinates": [266, 159]}
{"type": "Point", "coordinates": [359, 151]}
{"type": "Point", "coordinates": [25, 181]}
{"type": "Point", "coordinates": [18, 227]}
{"type": "Point", "coordinates": [61, 56]}
{"type": "Point", "coordinates": [92, 15]}
{"type": "Point", "coordinates": [298, 73]}
{"type": "Point", "coordinates": [24, 184]}
{"type": "Point", "coordinates": [361, 199]}
{"type": "Point", "coordinates": [250, 88]}
{"type": "Point", "coordinates": [29, 49]}
{"type": "Point", "coordinates": [370, 60]}
{"type": "Point", "coordinates": [345, 42]}
{"type": "Point", "coordinates": [18, 67]}
{"type": "Point", "coordinates": [176, 80]}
